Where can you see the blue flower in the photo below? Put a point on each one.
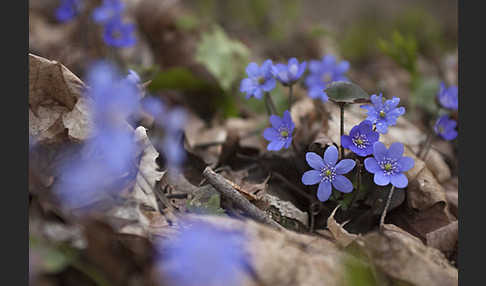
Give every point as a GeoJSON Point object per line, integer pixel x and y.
{"type": "Point", "coordinates": [445, 127]}
{"type": "Point", "coordinates": [280, 134]}
{"type": "Point", "coordinates": [119, 34]}
{"type": "Point", "coordinates": [324, 72]}
{"type": "Point", "coordinates": [388, 165]}
{"type": "Point", "coordinates": [108, 10]}
{"type": "Point", "coordinates": [327, 172]}
{"type": "Point", "coordinates": [361, 139]}
{"type": "Point", "coordinates": [383, 114]}
{"type": "Point", "coordinates": [259, 80]}
{"type": "Point", "coordinates": [133, 77]}
{"type": "Point", "coordinates": [68, 10]}
{"type": "Point", "coordinates": [203, 255]}
{"type": "Point", "coordinates": [290, 73]}
{"type": "Point", "coordinates": [448, 96]}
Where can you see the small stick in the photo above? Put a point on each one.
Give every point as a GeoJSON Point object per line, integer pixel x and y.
{"type": "Point", "coordinates": [223, 186]}
{"type": "Point", "coordinates": [382, 219]}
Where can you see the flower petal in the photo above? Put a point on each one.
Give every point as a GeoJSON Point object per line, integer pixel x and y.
{"type": "Point", "coordinates": [406, 163]}
{"type": "Point", "coordinates": [371, 165]}
{"type": "Point", "coordinates": [331, 155]}
{"type": "Point", "coordinates": [314, 160]}
{"type": "Point", "coordinates": [395, 151]}
{"type": "Point", "coordinates": [311, 177]}
{"type": "Point", "coordinates": [276, 121]}
{"type": "Point", "coordinates": [381, 127]}
{"type": "Point", "coordinates": [252, 70]}
{"type": "Point", "coordinates": [275, 145]}
{"type": "Point", "coordinates": [354, 131]}
{"type": "Point", "coordinates": [342, 184]}
{"type": "Point", "coordinates": [379, 150]}
{"type": "Point", "coordinates": [271, 134]}
{"type": "Point", "coordinates": [286, 118]}
{"type": "Point", "coordinates": [344, 166]}
{"type": "Point", "coordinates": [346, 141]}
{"type": "Point", "coordinates": [399, 180]}
{"type": "Point", "coordinates": [269, 84]}
{"type": "Point", "coordinates": [324, 191]}
{"type": "Point", "coordinates": [381, 179]}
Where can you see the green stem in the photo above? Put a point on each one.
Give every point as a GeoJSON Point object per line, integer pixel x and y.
{"type": "Point", "coordinates": [383, 215]}
{"type": "Point", "coordinates": [269, 104]}
{"type": "Point", "coordinates": [341, 106]}
{"type": "Point", "coordinates": [290, 97]}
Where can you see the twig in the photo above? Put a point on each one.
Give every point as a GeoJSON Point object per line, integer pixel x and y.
{"type": "Point", "coordinates": [223, 186]}
{"type": "Point", "coordinates": [382, 219]}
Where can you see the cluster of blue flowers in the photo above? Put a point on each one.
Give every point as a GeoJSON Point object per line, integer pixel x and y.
{"type": "Point", "coordinates": [323, 73]}
{"type": "Point", "coordinates": [109, 157]}
{"type": "Point", "coordinates": [109, 14]}
{"type": "Point", "coordinates": [445, 127]}
{"type": "Point", "coordinates": [191, 257]}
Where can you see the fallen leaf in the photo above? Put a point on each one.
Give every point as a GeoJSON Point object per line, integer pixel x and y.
{"type": "Point", "coordinates": [342, 236]}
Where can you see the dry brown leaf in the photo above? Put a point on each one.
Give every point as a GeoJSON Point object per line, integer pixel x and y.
{"type": "Point", "coordinates": [444, 238]}
{"type": "Point", "coordinates": [405, 259]}
{"type": "Point", "coordinates": [54, 105]}
{"type": "Point", "coordinates": [342, 236]}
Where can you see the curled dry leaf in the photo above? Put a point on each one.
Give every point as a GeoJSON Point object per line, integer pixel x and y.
{"type": "Point", "coordinates": [54, 104]}
{"type": "Point", "coordinates": [444, 238]}
{"type": "Point", "coordinates": [405, 259]}
{"type": "Point", "coordinates": [342, 236]}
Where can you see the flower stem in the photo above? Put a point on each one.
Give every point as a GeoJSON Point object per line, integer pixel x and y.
{"type": "Point", "coordinates": [341, 106]}
{"type": "Point", "coordinates": [383, 215]}
{"type": "Point", "coordinates": [269, 104]}
{"type": "Point", "coordinates": [290, 96]}
{"type": "Point", "coordinates": [358, 182]}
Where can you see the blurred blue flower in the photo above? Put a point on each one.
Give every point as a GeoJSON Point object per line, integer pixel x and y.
{"type": "Point", "coordinates": [445, 127]}
{"type": "Point", "coordinates": [108, 158]}
{"type": "Point", "coordinates": [383, 114]}
{"type": "Point", "coordinates": [361, 139]}
{"type": "Point", "coordinates": [327, 172]}
{"type": "Point", "coordinates": [280, 134]}
{"type": "Point", "coordinates": [388, 165]}
{"type": "Point", "coordinates": [259, 80]}
{"type": "Point", "coordinates": [108, 10]}
{"type": "Point", "coordinates": [203, 255]}
{"type": "Point", "coordinates": [290, 73]}
{"type": "Point", "coordinates": [324, 72]}
{"type": "Point", "coordinates": [133, 77]}
{"type": "Point", "coordinates": [448, 96]}
{"type": "Point", "coordinates": [68, 10]}
{"type": "Point", "coordinates": [119, 34]}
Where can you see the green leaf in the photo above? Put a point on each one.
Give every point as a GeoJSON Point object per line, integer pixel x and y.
{"type": "Point", "coordinates": [346, 92]}
{"type": "Point", "coordinates": [425, 93]}
{"type": "Point", "coordinates": [179, 78]}
{"type": "Point", "coordinates": [224, 58]}
{"type": "Point", "coordinates": [210, 207]}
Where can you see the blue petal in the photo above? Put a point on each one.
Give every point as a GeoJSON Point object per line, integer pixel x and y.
{"type": "Point", "coordinates": [269, 84]}
{"type": "Point", "coordinates": [302, 67]}
{"type": "Point", "coordinates": [275, 145]}
{"type": "Point", "coordinates": [376, 100]}
{"type": "Point", "coordinates": [342, 184]}
{"type": "Point", "coordinates": [252, 70]}
{"type": "Point", "coordinates": [392, 103]}
{"type": "Point", "coordinates": [346, 141]}
{"type": "Point", "coordinates": [381, 179]}
{"type": "Point", "coordinates": [344, 166]}
{"type": "Point", "coordinates": [288, 141]}
{"type": "Point", "coordinates": [379, 150]}
{"type": "Point", "coordinates": [342, 67]}
{"type": "Point", "coordinates": [381, 127]}
{"type": "Point", "coordinates": [371, 165]}
{"type": "Point", "coordinates": [406, 163]}
{"type": "Point", "coordinates": [266, 68]}
{"type": "Point", "coordinates": [399, 180]}
{"type": "Point", "coordinates": [324, 191]}
{"type": "Point", "coordinates": [271, 134]}
{"type": "Point", "coordinates": [276, 121]}
{"type": "Point", "coordinates": [354, 131]}
{"type": "Point", "coordinates": [287, 119]}
{"type": "Point", "coordinates": [365, 126]}
{"type": "Point", "coordinates": [395, 151]}
{"type": "Point", "coordinates": [257, 93]}
{"type": "Point", "coordinates": [246, 85]}
{"type": "Point", "coordinates": [311, 177]}
{"type": "Point", "coordinates": [314, 160]}
{"type": "Point", "coordinates": [331, 155]}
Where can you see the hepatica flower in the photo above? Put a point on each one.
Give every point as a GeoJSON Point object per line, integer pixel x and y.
{"type": "Point", "coordinates": [383, 114]}
{"type": "Point", "coordinates": [290, 73]}
{"type": "Point", "coordinates": [108, 10]}
{"type": "Point", "coordinates": [361, 139]}
{"type": "Point", "coordinates": [259, 80]}
{"type": "Point", "coordinates": [324, 72]}
{"type": "Point", "coordinates": [326, 173]}
{"type": "Point", "coordinates": [119, 34]}
{"type": "Point", "coordinates": [448, 96]}
{"type": "Point", "coordinates": [388, 165]}
{"type": "Point", "coordinates": [202, 255]}
{"type": "Point", "coordinates": [68, 10]}
{"type": "Point", "coordinates": [445, 128]}
{"type": "Point", "coordinates": [280, 134]}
